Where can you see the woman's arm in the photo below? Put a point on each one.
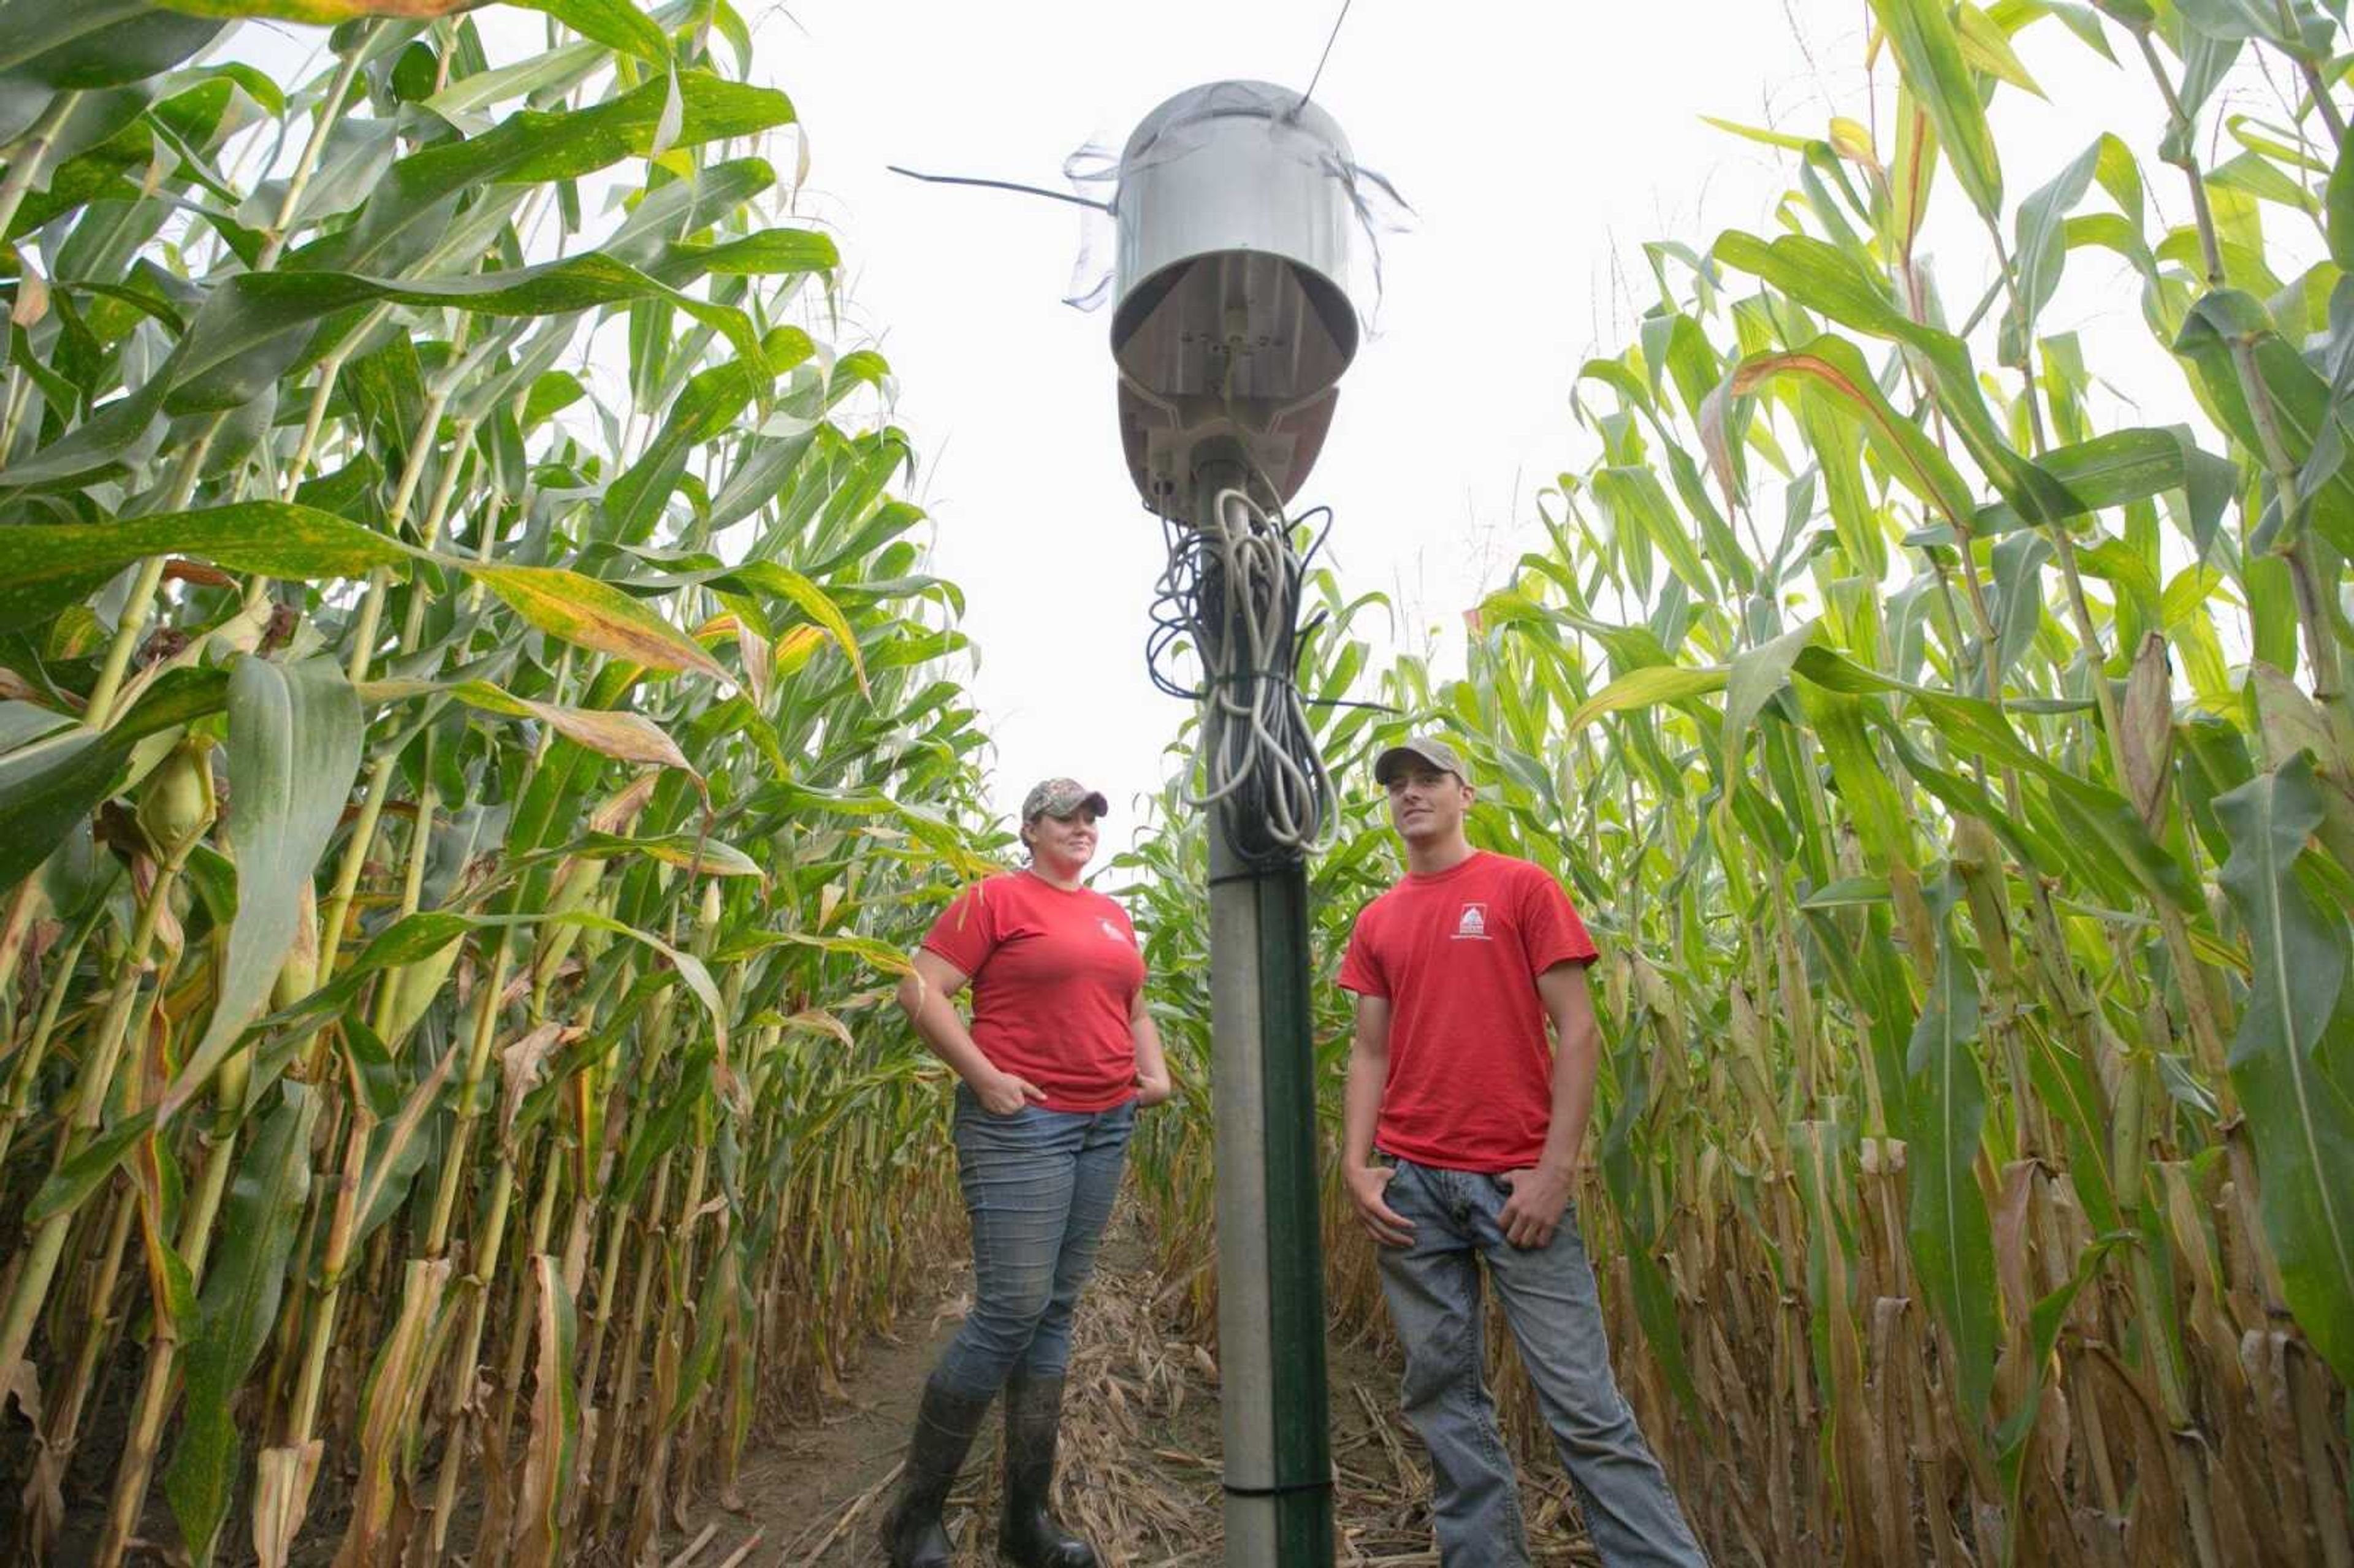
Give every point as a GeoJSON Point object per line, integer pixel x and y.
{"type": "Point", "coordinates": [924, 997]}
{"type": "Point", "coordinates": [1153, 1085]}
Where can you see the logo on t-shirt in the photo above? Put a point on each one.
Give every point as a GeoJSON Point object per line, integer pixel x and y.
{"type": "Point", "coordinates": [1471, 925]}
{"type": "Point", "coordinates": [1111, 930]}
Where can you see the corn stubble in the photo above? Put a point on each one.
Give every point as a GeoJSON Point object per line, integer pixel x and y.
{"type": "Point", "coordinates": [1960, 780]}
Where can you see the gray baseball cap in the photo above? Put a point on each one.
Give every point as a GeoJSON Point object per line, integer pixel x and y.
{"type": "Point", "coordinates": [1424, 748]}
{"type": "Point", "coordinates": [1060, 798]}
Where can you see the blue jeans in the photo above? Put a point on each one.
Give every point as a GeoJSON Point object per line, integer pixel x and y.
{"type": "Point", "coordinates": [1039, 1186]}
{"type": "Point", "coordinates": [1549, 1300]}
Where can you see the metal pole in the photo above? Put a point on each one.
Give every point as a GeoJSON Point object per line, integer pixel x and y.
{"type": "Point", "coordinates": [1272, 1391]}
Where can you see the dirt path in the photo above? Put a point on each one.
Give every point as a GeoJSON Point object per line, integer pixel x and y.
{"type": "Point", "coordinates": [1141, 1447]}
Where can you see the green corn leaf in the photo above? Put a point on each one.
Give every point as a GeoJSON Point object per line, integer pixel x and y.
{"type": "Point", "coordinates": [1756, 675]}
{"type": "Point", "coordinates": [1863, 785]}
{"type": "Point", "coordinates": [294, 752]}
{"type": "Point", "coordinates": [2019, 562]}
{"type": "Point", "coordinates": [2294, 396]}
{"type": "Point", "coordinates": [708, 406]}
{"type": "Point", "coordinates": [106, 43]}
{"type": "Point", "coordinates": [716, 1322]}
{"type": "Point", "coordinates": [944, 838]}
{"type": "Point", "coordinates": [420, 193]}
{"type": "Point", "coordinates": [2337, 205]}
{"type": "Point", "coordinates": [2293, 1059]}
{"type": "Point", "coordinates": [54, 783]}
{"type": "Point", "coordinates": [1647, 688]}
{"type": "Point", "coordinates": [400, 1147]}
{"type": "Point", "coordinates": [876, 955]}
{"type": "Point", "coordinates": [52, 567]}
{"type": "Point", "coordinates": [73, 1182]}
{"type": "Point", "coordinates": [705, 857]}
{"type": "Point", "coordinates": [1826, 279]}
{"type": "Point", "coordinates": [2106, 826]}
{"type": "Point", "coordinates": [660, 1131]}
{"type": "Point", "coordinates": [242, 1287]}
{"type": "Point", "coordinates": [1639, 502]}
{"type": "Point", "coordinates": [414, 940]}
{"type": "Point", "coordinates": [1764, 138]}
{"type": "Point", "coordinates": [1655, 1309]}
{"type": "Point", "coordinates": [1834, 365]}
{"type": "Point", "coordinates": [1952, 1238]}
{"type": "Point", "coordinates": [783, 582]}
{"type": "Point", "coordinates": [617, 23]}
{"type": "Point", "coordinates": [771, 252]}
{"type": "Point", "coordinates": [1929, 54]}
{"type": "Point", "coordinates": [2039, 251]}
{"type": "Point", "coordinates": [2298, 28]}
{"type": "Point", "coordinates": [242, 341]}
{"type": "Point", "coordinates": [2122, 466]}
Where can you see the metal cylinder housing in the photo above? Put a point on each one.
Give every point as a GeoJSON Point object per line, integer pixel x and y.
{"type": "Point", "coordinates": [1231, 317]}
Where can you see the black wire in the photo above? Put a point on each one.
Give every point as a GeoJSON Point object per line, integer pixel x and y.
{"type": "Point", "coordinates": [1000, 186]}
{"type": "Point", "coordinates": [1334, 38]}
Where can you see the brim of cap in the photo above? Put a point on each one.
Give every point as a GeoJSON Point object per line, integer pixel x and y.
{"type": "Point", "coordinates": [1094, 798]}
{"type": "Point", "coordinates": [1387, 762]}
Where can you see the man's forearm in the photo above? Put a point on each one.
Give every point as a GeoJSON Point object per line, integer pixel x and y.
{"type": "Point", "coordinates": [1360, 1106]}
{"type": "Point", "coordinates": [1575, 1063]}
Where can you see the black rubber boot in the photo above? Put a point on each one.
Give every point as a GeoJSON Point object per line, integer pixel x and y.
{"type": "Point", "coordinates": [913, 1536]}
{"type": "Point", "coordinates": [1029, 1536]}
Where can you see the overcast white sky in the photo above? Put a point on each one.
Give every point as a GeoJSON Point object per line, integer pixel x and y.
{"type": "Point", "coordinates": [1536, 144]}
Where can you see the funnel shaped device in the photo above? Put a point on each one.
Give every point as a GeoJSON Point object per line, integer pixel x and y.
{"type": "Point", "coordinates": [1231, 328]}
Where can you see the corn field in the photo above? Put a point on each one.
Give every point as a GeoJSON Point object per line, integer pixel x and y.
{"type": "Point", "coordinates": [477, 741]}
{"type": "Point", "coordinates": [1958, 778]}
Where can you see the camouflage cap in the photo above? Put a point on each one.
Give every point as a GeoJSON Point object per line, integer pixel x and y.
{"type": "Point", "coordinates": [1424, 748]}
{"type": "Point", "coordinates": [1060, 798]}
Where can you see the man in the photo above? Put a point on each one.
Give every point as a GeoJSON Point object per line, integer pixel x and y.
{"type": "Point", "coordinates": [1456, 970]}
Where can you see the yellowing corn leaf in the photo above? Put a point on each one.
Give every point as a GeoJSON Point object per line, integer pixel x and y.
{"type": "Point", "coordinates": [554, 1425]}
{"type": "Point", "coordinates": [793, 648]}
{"type": "Point", "coordinates": [817, 1020]}
{"type": "Point", "coordinates": [621, 808]}
{"type": "Point", "coordinates": [593, 614]}
{"type": "Point", "coordinates": [519, 1067]}
{"type": "Point", "coordinates": [630, 737]}
{"type": "Point", "coordinates": [281, 1500]}
{"type": "Point", "coordinates": [390, 1408]}
{"type": "Point", "coordinates": [1852, 141]}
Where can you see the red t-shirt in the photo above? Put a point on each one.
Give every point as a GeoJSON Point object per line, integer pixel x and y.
{"type": "Point", "coordinates": [1055, 976]}
{"type": "Point", "coordinates": [1457, 954]}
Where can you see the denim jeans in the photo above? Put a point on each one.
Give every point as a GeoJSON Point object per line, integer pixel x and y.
{"type": "Point", "coordinates": [1039, 1186]}
{"type": "Point", "coordinates": [1549, 1300]}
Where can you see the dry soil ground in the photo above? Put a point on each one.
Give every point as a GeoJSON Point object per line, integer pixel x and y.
{"type": "Point", "coordinates": [1140, 1451]}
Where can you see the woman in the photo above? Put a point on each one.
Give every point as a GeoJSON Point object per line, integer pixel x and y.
{"type": "Point", "coordinates": [1059, 1054]}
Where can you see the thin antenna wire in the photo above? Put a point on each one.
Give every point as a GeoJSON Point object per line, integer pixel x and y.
{"type": "Point", "coordinates": [1334, 38]}
{"type": "Point", "coordinates": [999, 186]}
